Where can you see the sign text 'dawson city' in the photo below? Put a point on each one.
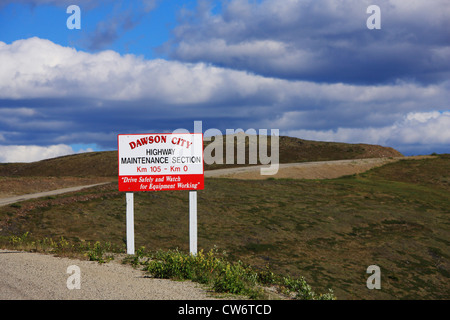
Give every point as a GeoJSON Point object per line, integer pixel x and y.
{"type": "Point", "coordinates": [150, 162]}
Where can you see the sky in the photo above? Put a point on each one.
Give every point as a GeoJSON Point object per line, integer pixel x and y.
{"type": "Point", "coordinates": [313, 69]}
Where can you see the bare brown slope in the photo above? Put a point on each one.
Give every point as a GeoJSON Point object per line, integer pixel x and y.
{"type": "Point", "coordinates": [104, 164]}
{"type": "Point", "coordinates": [90, 164]}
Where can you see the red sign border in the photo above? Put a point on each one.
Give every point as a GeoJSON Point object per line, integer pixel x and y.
{"type": "Point", "coordinates": [187, 176]}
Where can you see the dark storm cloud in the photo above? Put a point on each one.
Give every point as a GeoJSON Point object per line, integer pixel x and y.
{"type": "Point", "coordinates": [320, 40]}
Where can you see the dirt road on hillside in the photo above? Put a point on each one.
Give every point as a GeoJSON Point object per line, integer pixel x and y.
{"type": "Point", "coordinates": [10, 200]}
{"type": "Point", "coordinates": [305, 170]}
{"type": "Point", "coordinates": [309, 170]}
{"type": "Point", "coordinates": [33, 276]}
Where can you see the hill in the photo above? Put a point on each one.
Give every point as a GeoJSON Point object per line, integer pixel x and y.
{"type": "Point", "coordinates": [329, 231]}
{"type": "Point", "coordinates": [104, 164]}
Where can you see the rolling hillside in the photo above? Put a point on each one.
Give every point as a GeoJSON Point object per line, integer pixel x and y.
{"type": "Point", "coordinates": [104, 164]}
{"type": "Point", "coordinates": [329, 231]}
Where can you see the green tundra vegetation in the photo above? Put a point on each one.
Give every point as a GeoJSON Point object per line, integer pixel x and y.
{"type": "Point", "coordinates": [326, 232]}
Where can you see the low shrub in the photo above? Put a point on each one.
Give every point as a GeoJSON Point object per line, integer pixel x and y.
{"type": "Point", "coordinates": [226, 277]}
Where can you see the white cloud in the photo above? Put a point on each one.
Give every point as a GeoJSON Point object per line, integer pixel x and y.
{"type": "Point", "coordinates": [98, 94]}
{"type": "Point", "coordinates": [32, 153]}
{"type": "Point", "coordinates": [416, 128]}
{"type": "Point", "coordinates": [423, 128]}
{"type": "Point", "coordinates": [35, 68]}
{"type": "Point", "coordinates": [39, 68]}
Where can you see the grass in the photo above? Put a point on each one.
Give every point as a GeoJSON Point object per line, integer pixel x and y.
{"type": "Point", "coordinates": [223, 276]}
{"type": "Point", "coordinates": [326, 232]}
{"type": "Point", "coordinates": [211, 269]}
{"type": "Point", "coordinates": [62, 247]}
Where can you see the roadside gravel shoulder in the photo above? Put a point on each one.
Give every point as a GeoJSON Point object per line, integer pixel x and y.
{"type": "Point", "coordinates": [35, 276]}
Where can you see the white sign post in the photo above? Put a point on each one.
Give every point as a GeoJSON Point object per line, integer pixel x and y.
{"type": "Point", "coordinates": [157, 162]}
{"type": "Point", "coordinates": [130, 223]}
{"type": "Point", "coordinates": [193, 222]}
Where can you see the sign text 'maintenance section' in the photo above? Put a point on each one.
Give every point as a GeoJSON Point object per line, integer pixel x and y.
{"type": "Point", "coordinates": [151, 162]}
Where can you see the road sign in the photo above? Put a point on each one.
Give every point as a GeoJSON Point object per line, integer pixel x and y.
{"type": "Point", "coordinates": [160, 161]}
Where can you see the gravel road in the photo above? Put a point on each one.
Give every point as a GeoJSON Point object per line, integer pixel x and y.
{"type": "Point", "coordinates": [304, 170]}
{"type": "Point", "coordinates": [34, 276]}
{"type": "Point", "coordinates": [14, 199]}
